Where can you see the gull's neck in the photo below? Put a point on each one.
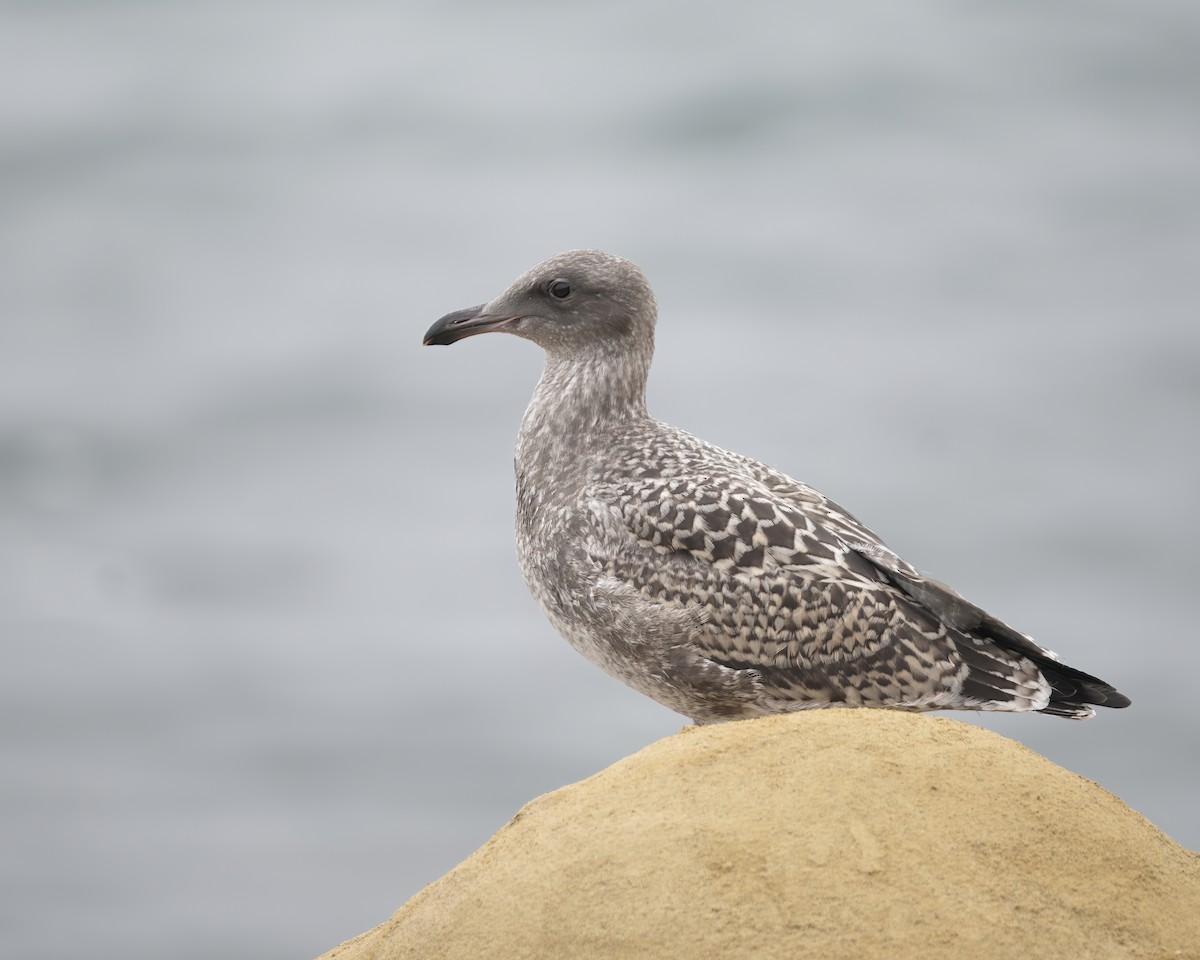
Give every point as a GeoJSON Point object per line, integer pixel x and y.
{"type": "Point", "coordinates": [579, 403]}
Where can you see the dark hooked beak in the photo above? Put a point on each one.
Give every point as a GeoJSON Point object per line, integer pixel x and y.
{"type": "Point", "coordinates": [462, 324]}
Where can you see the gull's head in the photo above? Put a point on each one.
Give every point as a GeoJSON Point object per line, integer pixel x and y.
{"type": "Point", "coordinates": [577, 303]}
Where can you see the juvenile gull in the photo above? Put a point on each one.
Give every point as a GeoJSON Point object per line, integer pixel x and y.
{"type": "Point", "coordinates": [704, 579]}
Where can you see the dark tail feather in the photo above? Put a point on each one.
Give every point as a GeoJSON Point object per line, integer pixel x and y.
{"type": "Point", "coordinates": [1071, 688]}
{"type": "Point", "coordinates": [1072, 693]}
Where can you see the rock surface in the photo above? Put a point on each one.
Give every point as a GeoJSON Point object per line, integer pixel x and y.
{"type": "Point", "coordinates": [833, 833]}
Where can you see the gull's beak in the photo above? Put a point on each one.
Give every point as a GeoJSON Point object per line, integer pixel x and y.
{"type": "Point", "coordinates": [464, 323]}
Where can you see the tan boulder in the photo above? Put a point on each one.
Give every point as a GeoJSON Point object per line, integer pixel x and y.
{"type": "Point", "coordinates": [833, 833]}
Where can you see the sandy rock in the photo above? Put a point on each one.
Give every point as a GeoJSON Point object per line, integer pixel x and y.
{"type": "Point", "coordinates": [835, 833]}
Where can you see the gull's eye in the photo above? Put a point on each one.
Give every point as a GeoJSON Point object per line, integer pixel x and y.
{"type": "Point", "coordinates": [560, 289]}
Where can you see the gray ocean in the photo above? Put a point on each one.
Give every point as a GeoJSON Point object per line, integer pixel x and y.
{"type": "Point", "coordinates": [268, 664]}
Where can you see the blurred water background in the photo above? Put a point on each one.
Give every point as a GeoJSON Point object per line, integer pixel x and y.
{"type": "Point", "coordinates": [268, 663]}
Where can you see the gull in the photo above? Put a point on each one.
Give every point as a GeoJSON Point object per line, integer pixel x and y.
{"type": "Point", "coordinates": [714, 584]}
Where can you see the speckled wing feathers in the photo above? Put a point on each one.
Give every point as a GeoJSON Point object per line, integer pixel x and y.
{"type": "Point", "coordinates": [795, 589]}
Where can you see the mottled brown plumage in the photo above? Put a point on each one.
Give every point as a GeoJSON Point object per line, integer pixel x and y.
{"type": "Point", "coordinates": [706, 580]}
